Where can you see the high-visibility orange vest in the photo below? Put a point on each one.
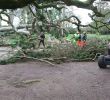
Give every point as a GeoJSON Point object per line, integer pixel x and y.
{"type": "Point", "coordinates": [81, 43]}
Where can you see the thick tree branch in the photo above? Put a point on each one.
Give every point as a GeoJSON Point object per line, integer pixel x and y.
{"type": "Point", "coordinates": [13, 4]}
{"type": "Point", "coordinates": [6, 14]}
{"type": "Point", "coordinates": [76, 21]}
{"type": "Point", "coordinates": [54, 5]}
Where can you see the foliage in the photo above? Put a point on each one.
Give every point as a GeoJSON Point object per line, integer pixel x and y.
{"type": "Point", "coordinates": [54, 32]}
{"type": "Point", "coordinates": [95, 45]}
{"type": "Point", "coordinates": [39, 54]}
{"type": "Point", "coordinates": [23, 41]}
{"type": "Point", "coordinates": [71, 30]}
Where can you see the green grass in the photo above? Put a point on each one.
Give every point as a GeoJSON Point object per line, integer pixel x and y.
{"type": "Point", "coordinates": [105, 37]}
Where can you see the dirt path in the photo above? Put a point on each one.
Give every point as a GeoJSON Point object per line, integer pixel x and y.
{"type": "Point", "coordinates": [40, 81]}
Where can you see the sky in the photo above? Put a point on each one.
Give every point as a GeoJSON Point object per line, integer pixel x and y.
{"type": "Point", "coordinates": [82, 14]}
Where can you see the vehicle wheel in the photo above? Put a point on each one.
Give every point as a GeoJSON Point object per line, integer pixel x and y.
{"type": "Point", "coordinates": [101, 62]}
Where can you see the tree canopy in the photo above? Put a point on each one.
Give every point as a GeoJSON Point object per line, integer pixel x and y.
{"type": "Point", "coordinates": [57, 4]}
{"type": "Point", "coordinates": [14, 4]}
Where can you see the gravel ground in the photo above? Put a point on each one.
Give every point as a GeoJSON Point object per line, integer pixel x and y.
{"type": "Point", "coordinates": [67, 81]}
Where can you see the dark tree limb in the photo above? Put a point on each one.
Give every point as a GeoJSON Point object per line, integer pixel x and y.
{"type": "Point", "coordinates": [54, 5]}
{"type": "Point", "coordinates": [13, 4]}
{"type": "Point", "coordinates": [6, 14]}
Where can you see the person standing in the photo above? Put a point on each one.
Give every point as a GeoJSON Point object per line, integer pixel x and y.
{"type": "Point", "coordinates": [41, 39]}
{"type": "Point", "coordinates": [84, 36]}
{"type": "Point", "coordinates": [82, 39]}
{"type": "Point", "coordinates": [79, 39]}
